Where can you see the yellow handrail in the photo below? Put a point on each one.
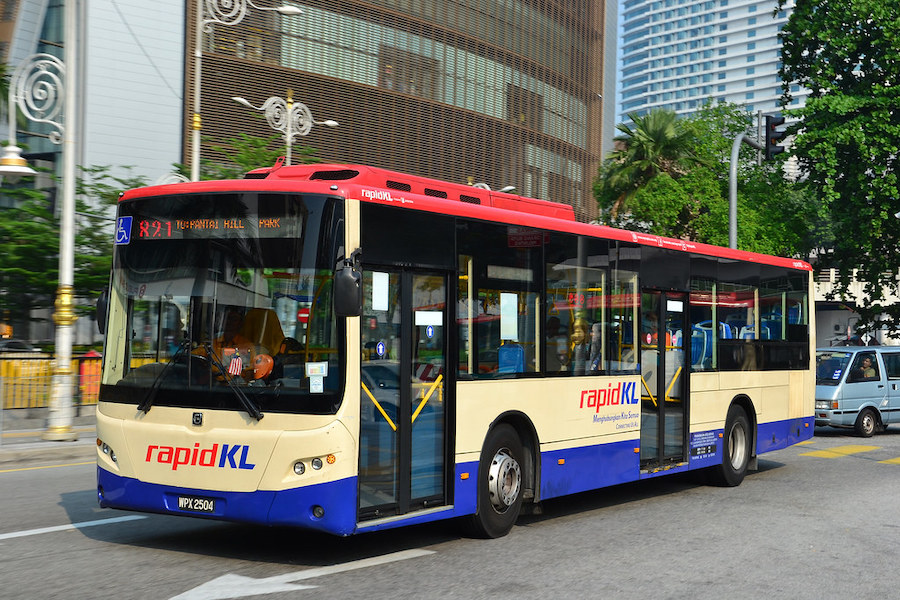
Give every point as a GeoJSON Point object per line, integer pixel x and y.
{"type": "Point", "coordinates": [649, 393]}
{"type": "Point", "coordinates": [378, 406]}
{"type": "Point", "coordinates": [674, 379]}
{"type": "Point", "coordinates": [427, 396]}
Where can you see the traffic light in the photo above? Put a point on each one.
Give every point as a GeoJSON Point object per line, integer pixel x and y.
{"type": "Point", "coordinates": [773, 136]}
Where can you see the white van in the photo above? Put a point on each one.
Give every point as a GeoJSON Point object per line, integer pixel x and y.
{"type": "Point", "coordinates": [859, 387]}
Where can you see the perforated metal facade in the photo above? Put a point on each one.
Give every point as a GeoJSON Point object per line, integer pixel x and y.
{"type": "Point", "coordinates": [502, 92]}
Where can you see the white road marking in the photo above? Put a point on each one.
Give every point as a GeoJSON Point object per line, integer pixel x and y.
{"type": "Point", "coordinates": [237, 586]}
{"type": "Point", "coordinates": [26, 533]}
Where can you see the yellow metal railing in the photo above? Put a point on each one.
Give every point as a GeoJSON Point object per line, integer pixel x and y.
{"type": "Point", "coordinates": [26, 382]}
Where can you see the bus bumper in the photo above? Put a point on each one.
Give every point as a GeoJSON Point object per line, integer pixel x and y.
{"type": "Point", "coordinates": [329, 507]}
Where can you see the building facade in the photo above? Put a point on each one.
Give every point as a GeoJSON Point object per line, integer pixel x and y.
{"type": "Point", "coordinates": [501, 92]}
{"type": "Point", "coordinates": [129, 76]}
{"type": "Point", "coordinates": [681, 54]}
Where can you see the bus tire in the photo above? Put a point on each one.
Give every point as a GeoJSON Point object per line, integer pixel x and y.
{"type": "Point", "coordinates": [866, 423]}
{"type": "Point", "coordinates": [735, 449]}
{"type": "Point", "coordinates": [500, 484]}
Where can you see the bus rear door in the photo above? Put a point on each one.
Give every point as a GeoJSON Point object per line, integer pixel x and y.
{"type": "Point", "coordinates": [664, 378]}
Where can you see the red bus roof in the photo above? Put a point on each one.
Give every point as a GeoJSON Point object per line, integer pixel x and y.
{"type": "Point", "coordinates": [382, 186]}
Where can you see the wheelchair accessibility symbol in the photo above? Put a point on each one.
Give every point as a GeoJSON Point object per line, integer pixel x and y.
{"type": "Point", "coordinates": [123, 231]}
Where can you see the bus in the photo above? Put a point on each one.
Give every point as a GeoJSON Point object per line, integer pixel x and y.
{"type": "Point", "coordinates": [349, 349]}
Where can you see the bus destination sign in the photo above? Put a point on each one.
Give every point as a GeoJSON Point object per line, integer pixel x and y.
{"type": "Point", "coordinates": [177, 229]}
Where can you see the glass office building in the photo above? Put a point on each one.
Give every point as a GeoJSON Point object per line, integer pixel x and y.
{"type": "Point", "coordinates": [680, 54]}
{"type": "Point", "coordinates": [502, 92]}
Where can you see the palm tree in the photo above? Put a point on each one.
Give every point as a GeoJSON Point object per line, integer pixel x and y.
{"type": "Point", "coordinates": [657, 143]}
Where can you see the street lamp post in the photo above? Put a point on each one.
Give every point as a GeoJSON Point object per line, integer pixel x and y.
{"type": "Point", "coordinates": [62, 411]}
{"type": "Point", "coordinates": [35, 90]}
{"type": "Point", "coordinates": [217, 12]}
{"type": "Point", "coordinates": [291, 118]}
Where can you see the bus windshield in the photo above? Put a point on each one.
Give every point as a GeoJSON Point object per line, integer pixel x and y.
{"type": "Point", "coordinates": [224, 300]}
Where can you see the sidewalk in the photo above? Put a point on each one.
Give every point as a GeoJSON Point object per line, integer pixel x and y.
{"type": "Point", "coordinates": [22, 443]}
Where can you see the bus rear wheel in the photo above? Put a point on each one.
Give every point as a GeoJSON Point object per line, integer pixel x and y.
{"type": "Point", "coordinates": [500, 484]}
{"type": "Point", "coordinates": [735, 449]}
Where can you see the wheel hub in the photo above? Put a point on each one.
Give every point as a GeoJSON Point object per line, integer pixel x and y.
{"type": "Point", "coordinates": [868, 423]}
{"type": "Point", "coordinates": [504, 480]}
{"type": "Point", "coordinates": [737, 446]}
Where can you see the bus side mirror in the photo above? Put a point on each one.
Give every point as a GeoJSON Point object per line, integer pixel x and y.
{"type": "Point", "coordinates": [348, 287]}
{"type": "Point", "coordinates": [102, 308]}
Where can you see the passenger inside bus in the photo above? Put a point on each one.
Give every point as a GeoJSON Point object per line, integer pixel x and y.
{"type": "Point", "coordinates": [231, 338]}
{"type": "Point", "coordinates": [596, 348]}
{"type": "Point", "coordinates": [580, 346]}
{"type": "Point", "coordinates": [248, 342]}
{"type": "Point", "coordinates": [557, 346]}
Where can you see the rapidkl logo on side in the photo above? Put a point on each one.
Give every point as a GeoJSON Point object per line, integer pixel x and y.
{"type": "Point", "coordinates": [621, 393]}
{"type": "Point", "coordinates": [232, 456]}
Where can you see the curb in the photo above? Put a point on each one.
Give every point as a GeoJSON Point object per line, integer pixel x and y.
{"type": "Point", "coordinates": [27, 453]}
{"type": "Point", "coordinates": [82, 450]}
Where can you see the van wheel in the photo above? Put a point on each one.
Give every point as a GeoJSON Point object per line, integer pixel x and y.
{"type": "Point", "coordinates": [866, 423]}
{"type": "Point", "coordinates": [500, 484]}
{"type": "Point", "coordinates": [735, 449]}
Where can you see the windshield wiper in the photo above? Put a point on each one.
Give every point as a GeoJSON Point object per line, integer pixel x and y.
{"type": "Point", "coordinates": [147, 402]}
{"type": "Point", "coordinates": [246, 402]}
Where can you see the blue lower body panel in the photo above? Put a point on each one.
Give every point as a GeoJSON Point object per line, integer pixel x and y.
{"type": "Point", "coordinates": [781, 434]}
{"type": "Point", "coordinates": [292, 507]}
{"type": "Point", "coordinates": [562, 472]}
{"type": "Point", "coordinates": [576, 470]}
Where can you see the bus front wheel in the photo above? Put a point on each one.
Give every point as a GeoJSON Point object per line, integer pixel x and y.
{"type": "Point", "coordinates": [735, 449]}
{"type": "Point", "coordinates": [500, 484]}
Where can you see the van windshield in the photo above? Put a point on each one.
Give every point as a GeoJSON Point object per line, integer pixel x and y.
{"type": "Point", "coordinates": [830, 366]}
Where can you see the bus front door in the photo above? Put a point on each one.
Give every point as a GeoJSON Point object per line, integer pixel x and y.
{"type": "Point", "coordinates": [664, 378]}
{"type": "Point", "coordinates": [403, 421]}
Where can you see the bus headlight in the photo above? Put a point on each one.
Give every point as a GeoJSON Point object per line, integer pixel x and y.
{"type": "Point", "coordinates": [299, 468]}
{"type": "Point", "coordinates": [107, 450]}
{"type": "Point", "coordinates": [316, 463]}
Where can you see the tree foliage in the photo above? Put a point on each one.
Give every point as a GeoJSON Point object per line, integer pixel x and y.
{"type": "Point", "coordinates": [29, 243]}
{"type": "Point", "coordinates": [679, 188]}
{"type": "Point", "coordinates": [656, 144]}
{"type": "Point", "coordinates": [847, 54]}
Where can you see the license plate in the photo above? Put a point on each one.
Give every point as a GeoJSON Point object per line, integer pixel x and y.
{"type": "Point", "coordinates": [196, 504]}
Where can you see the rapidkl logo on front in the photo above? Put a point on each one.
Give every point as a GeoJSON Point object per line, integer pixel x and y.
{"type": "Point", "coordinates": [621, 393]}
{"type": "Point", "coordinates": [232, 456]}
